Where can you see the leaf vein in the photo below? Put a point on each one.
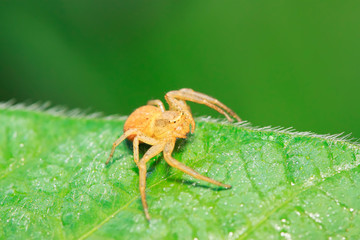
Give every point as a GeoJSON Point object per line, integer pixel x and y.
{"type": "Point", "coordinates": [277, 208]}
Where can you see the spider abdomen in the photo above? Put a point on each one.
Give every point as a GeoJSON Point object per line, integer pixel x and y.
{"type": "Point", "coordinates": [142, 119]}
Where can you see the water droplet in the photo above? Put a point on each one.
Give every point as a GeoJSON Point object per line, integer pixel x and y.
{"type": "Point", "coordinates": [316, 217]}
{"type": "Point", "coordinates": [285, 235]}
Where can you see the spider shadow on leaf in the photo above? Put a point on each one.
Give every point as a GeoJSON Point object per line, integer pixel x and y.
{"type": "Point", "coordinates": [153, 164]}
{"type": "Point", "coordinates": [195, 184]}
{"type": "Point", "coordinates": [142, 150]}
{"type": "Point", "coordinates": [180, 143]}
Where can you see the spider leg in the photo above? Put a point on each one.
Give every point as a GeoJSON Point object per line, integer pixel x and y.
{"type": "Point", "coordinates": [152, 152]}
{"type": "Point", "coordinates": [212, 101]}
{"type": "Point", "coordinates": [136, 149]}
{"type": "Point", "coordinates": [169, 147]}
{"type": "Point", "coordinates": [190, 95]}
{"type": "Point", "coordinates": [157, 103]}
{"type": "Point", "coordinates": [133, 131]}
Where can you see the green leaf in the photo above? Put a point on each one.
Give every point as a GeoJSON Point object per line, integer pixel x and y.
{"type": "Point", "coordinates": [54, 183]}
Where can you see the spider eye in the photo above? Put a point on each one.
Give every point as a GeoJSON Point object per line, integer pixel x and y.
{"type": "Point", "coordinates": [172, 116]}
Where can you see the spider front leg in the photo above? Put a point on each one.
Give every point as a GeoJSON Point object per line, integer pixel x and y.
{"type": "Point", "coordinates": [187, 94]}
{"type": "Point", "coordinates": [169, 147]}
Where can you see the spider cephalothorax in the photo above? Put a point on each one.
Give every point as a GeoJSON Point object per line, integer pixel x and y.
{"type": "Point", "coordinates": [153, 125]}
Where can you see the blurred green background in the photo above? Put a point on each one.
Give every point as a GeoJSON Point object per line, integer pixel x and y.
{"type": "Point", "coordinates": [279, 63]}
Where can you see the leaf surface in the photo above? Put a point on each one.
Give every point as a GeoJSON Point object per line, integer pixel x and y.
{"type": "Point", "coordinates": [54, 183]}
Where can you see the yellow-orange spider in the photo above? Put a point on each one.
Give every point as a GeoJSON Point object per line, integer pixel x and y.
{"type": "Point", "coordinates": [153, 125]}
